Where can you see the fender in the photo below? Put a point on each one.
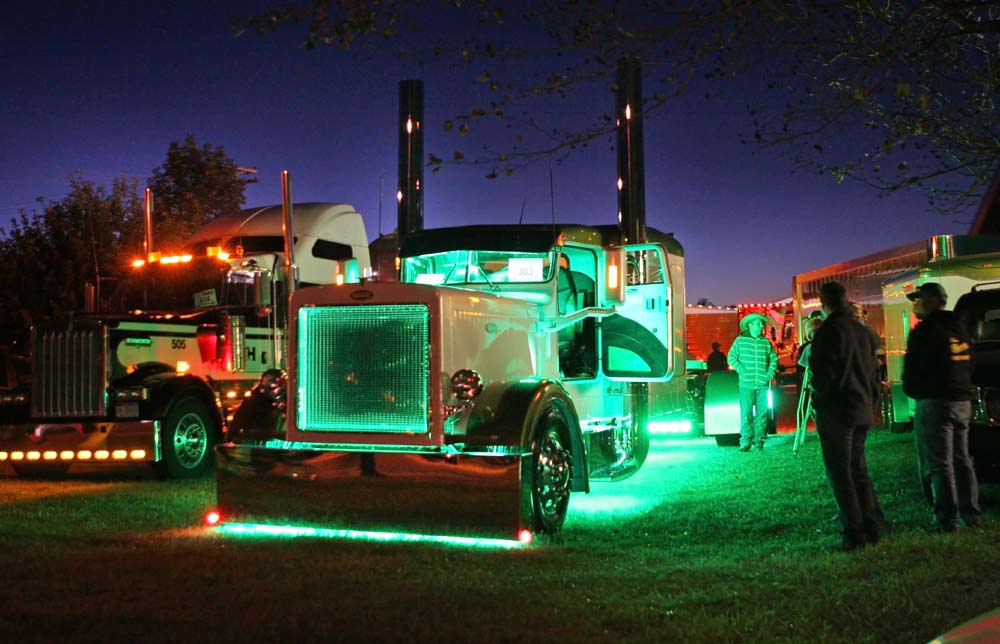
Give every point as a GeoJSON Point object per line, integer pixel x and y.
{"type": "Point", "coordinates": [506, 413]}
{"type": "Point", "coordinates": [166, 387]}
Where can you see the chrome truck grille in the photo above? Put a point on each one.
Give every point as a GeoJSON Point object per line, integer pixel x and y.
{"type": "Point", "coordinates": [363, 368]}
{"type": "Point", "coordinates": [69, 373]}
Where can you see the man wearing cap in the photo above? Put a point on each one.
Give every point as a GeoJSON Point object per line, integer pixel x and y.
{"type": "Point", "coordinates": [752, 356]}
{"type": "Point", "coordinates": [937, 373]}
{"type": "Point", "coordinates": [845, 383]}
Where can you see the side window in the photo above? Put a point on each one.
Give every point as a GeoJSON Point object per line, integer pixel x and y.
{"type": "Point", "coordinates": [324, 249]}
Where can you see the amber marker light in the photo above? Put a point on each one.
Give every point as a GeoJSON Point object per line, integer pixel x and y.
{"type": "Point", "coordinates": [137, 263]}
{"type": "Point", "coordinates": [85, 455]}
{"type": "Point", "coordinates": [137, 454]}
{"type": "Point", "coordinates": [119, 455]}
{"type": "Point", "coordinates": [66, 455]}
{"type": "Point", "coordinates": [102, 454]}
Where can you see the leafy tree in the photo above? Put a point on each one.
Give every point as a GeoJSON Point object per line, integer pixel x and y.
{"type": "Point", "coordinates": [194, 185]}
{"type": "Point", "coordinates": [50, 254]}
{"type": "Point", "coordinates": [899, 94]}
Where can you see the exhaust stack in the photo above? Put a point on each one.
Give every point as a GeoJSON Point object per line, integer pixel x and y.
{"type": "Point", "coordinates": [631, 169]}
{"type": "Point", "coordinates": [410, 195]}
{"type": "Point", "coordinates": [291, 270]}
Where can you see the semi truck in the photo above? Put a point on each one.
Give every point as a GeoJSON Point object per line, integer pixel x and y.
{"type": "Point", "coordinates": [156, 377]}
{"type": "Point", "coordinates": [959, 274]}
{"type": "Point", "coordinates": [508, 367]}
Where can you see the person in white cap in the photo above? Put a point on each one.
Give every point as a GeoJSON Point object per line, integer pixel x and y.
{"type": "Point", "coordinates": [937, 373]}
{"type": "Point", "coordinates": [752, 356]}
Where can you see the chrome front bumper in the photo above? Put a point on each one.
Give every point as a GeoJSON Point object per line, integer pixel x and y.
{"type": "Point", "coordinates": [444, 494]}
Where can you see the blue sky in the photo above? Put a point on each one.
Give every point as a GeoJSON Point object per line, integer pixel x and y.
{"type": "Point", "coordinates": [102, 88]}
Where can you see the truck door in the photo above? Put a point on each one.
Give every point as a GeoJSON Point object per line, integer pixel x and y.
{"type": "Point", "coordinates": [635, 342]}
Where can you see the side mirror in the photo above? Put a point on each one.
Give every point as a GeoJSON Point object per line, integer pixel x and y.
{"type": "Point", "coordinates": [614, 276]}
{"type": "Point", "coordinates": [262, 288]}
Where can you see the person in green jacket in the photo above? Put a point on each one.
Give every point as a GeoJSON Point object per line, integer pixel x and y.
{"type": "Point", "coordinates": [752, 356]}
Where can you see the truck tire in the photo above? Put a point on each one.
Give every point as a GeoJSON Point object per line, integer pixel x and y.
{"type": "Point", "coordinates": [40, 470]}
{"type": "Point", "coordinates": [188, 438]}
{"type": "Point", "coordinates": [551, 469]}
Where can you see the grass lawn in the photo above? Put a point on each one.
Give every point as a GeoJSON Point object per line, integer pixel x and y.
{"type": "Point", "coordinates": [704, 544]}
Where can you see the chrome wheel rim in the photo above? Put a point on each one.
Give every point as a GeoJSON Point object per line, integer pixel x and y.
{"type": "Point", "coordinates": [190, 440]}
{"type": "Point", "coordinates": [552, 476]}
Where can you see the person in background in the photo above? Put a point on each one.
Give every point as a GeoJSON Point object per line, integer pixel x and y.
{"type": "Point", "coordinates": [717, 359]}
{"type": "Point", "coordinates": [804, 411]}
{"type": "Point", "coordinates": [845, 383]}
{"type": "Point", "coordinates": [937, 373]}
{"type": "Point", "coordinates": [753, 358]}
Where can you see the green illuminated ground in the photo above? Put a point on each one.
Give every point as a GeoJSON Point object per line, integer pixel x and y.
{"type": "Point", "coordinates": [702, 545]}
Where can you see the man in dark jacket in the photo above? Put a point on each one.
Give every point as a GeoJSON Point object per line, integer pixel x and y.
{"type": "Point", "coordinates": [937, 373]}
{"type": "Point", "coordinates": [845, 383]}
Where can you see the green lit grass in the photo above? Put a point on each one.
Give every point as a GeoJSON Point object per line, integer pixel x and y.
{"type": "Point", "coordinates": [702, 545]}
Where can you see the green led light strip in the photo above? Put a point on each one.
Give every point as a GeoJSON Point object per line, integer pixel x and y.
{"type": "Point", "coordinates": [264, 530]}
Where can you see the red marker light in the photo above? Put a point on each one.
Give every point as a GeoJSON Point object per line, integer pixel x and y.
{"type": "Point", "coordinates": [212, 518]}
{"type": "Point", "coordinates": [525, 536]}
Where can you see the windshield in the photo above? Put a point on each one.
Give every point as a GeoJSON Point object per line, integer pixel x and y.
{"type": "Point", "coordinates": [199, 283]}
{"type": "Point", "coordinates": [478, 267]}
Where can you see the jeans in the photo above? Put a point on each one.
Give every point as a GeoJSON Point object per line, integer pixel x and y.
{"type": "Point", "coordinates": [843, 446]}
{"type": "Point", "coordinates": [753, 416]}
{"type": "Point", "coordinates": [941, 428]}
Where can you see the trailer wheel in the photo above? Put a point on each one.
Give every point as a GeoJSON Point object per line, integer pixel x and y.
{"type": "Point", "coordinates": [551, 469]}
{"type": "Point", "coordinates": [40, 470]}
{"type": "Point", "coordinates": [188, 437]}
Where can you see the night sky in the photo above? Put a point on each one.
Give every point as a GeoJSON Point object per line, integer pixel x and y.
{"type": "Point", "coordinates": [104, 87]}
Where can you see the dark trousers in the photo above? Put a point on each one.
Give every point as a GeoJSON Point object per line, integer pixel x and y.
{"type": "Point", "coordinates": [941, 428]}
{"type": "Point", "coordinates": [753, 416]}
{"type": "Point", "coordinates": [843, 446]}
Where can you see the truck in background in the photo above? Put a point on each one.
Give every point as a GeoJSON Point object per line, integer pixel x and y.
{"type": "Point", "coordinates": [157, 377]}
{"type": "Point", "coordinates": [708, 324]}
{"type": "Point", "coordinates": [959, 274]}
{"type": "Point", "coordinates": [979, 310]}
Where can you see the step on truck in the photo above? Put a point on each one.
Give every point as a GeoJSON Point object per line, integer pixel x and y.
{"type": "Point", "coordinates": [156, 376]}
{"type": "Point", "coordinates": [507, 368]}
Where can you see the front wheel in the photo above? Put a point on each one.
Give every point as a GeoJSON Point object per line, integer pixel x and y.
{"type": "Point", "coordinates": [188, 436]}
{"type": "Point", "coordinates": [552, 469]}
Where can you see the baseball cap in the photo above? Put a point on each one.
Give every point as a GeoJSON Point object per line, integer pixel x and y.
{"type": "Point", "coordinates": [929, 289]}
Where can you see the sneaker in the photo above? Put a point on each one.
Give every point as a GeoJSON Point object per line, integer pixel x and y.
{"type": "Point", "coordinates": [744, 448]}
{"type": "Point", "coordinates": [759, 447]}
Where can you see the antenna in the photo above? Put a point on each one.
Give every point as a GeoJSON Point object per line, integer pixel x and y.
{"type": "Point", "coordinates": [520, 219]}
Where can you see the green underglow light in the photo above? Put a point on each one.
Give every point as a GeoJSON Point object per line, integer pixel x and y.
{"type": "Point", "coordinates": [670, 426]}
{"type": "Point", "coordinates": [264, 530]}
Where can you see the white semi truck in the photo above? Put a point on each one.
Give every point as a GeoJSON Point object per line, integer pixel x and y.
{"type": "Point", "coordinates": [156, 378]}
{"type": "Point", "coordinates": [509, 366]}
